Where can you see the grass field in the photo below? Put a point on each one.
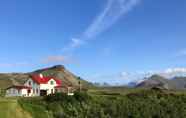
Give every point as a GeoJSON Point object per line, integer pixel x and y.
{"type": "Point", "coordinates": [122, 91]}
{"type": "Point", "coordinates": [112, 91]}
{"type": "Point", "coordinates": [9, 108]}
{"type": "Point", "coordinates": [36, 110]}
{"type": "Point", "coordinates": [103, 102]}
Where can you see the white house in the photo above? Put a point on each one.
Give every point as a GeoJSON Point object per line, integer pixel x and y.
{"type": "Point", "coordinates": [14, 91]}
{"type": "Point", "coordinates": [37, 85]}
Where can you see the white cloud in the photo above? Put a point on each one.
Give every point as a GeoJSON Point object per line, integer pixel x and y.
{"type": "Point", "coordinates": [124, 77]}
{"type": "Point", "coordinates": [74, 43]}
{"type": "Point", "coordinates": [172, 72]}
{"type": "Point", "coordinates": [112, 12]}
{"type": "Point", "coordinates": [123, 74]}
{"type": "Point", "coordinates": [175, 70]}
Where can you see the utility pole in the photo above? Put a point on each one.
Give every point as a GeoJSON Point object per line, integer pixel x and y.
{"type": "Point", "coordinates": [79, 86]}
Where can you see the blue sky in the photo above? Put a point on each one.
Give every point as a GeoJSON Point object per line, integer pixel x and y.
{"type": "Point", "coordinates": [96, 39]}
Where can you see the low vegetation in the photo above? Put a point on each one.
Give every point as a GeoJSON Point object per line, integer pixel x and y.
{"type": "Point", "coordinates": [137, 104]}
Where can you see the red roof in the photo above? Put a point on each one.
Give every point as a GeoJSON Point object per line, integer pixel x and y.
{"type": "Point", "coordinates": [44, 80]}
{"type": "Point", "coordinates": [58, 86]}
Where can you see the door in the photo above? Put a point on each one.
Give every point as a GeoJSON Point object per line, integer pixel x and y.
{"type": "Point", "coordinates": [43, 92]}
{"type": "Point", "coordinates": [28, 92]}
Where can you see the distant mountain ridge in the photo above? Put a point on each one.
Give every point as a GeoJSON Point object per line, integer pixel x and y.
{"type": "Point", "coordinates": [58, 71]}
{"type": "Point", "coordinates": [159, 81]}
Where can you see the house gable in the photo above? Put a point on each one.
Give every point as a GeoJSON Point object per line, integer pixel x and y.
{"type": "Point", "coordinates": [36, 85]}
{"type": "Point", "coordinates": [29, 83]}
{"type": "Point", "coordinates": [52, 82]}
{"type": "Point", "coordinates": [40, 79]}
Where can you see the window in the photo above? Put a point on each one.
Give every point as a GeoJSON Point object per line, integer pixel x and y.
{"type": "Point", "coordinates": [34, 91]}
{"type": "Point", "coordinates": [52, 91]}
{"type": "Point", "coordinates": [29, 83]}
{"type": "Point", "coordinates": [19, 91]}
{"type": "Point", "coordinates": [14, 91]}
{"type": "Point", "coordinates": [29, 91]}
{"type": "Point", "coordinates": [51, 82]}
{"type": "Point", "coordinates": [37, 91]}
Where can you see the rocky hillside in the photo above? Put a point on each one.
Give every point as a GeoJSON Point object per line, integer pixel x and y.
{"type": "Point", "coordinates": [159, 81]}
{"type": "Point", "coordinates": [180, 82]}
{"type": "Point", "coordinates": [58, 71]}
{"type": "Point", "coordinates": [8, 79]}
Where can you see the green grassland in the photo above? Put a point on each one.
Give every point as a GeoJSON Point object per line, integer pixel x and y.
{"type": "Point", "coordinates": [112, 90]}
{"type": "Point", "coordinates": [9, 108]}
{"type": "Point", "coordinates": [106, 102]}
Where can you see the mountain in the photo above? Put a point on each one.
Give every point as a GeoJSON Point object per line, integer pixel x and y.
{"type": "Point", "coordinates": [157, 81]}
{"type": "Point", "coordinates": [136, 82]}
{"type": "Point", "coordinates": [58, 71]}
{"type": "Point", "coordinates": [180, 82]}
{"type": "Point", "coordinates": [9, 79]}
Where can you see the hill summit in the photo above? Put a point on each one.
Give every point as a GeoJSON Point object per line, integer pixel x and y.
{"type": "Point", "coordinates": [57, 71]}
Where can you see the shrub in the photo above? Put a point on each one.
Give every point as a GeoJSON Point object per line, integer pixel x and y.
{"type": "Point", "coordinates": [2, 92]}
{"type": "Point", "coordinates": [143, 104]}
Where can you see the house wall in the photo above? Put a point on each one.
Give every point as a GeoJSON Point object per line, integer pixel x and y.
{"type": "Point", "coordinates": [24, 92]}
{"type": "Point", "coordinates": [12, 92]}
{"type": "Point", "coordinates": [68, 90]}
{"type": "Point", "coordinates": [35, 91]}
{"type": "Point", "coordinates": [49, 86]}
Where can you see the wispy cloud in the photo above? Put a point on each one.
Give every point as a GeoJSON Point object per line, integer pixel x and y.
{"type": "Point", "coordinates": [53, 59]}
{"type": "Point", "coordinates": [181, 53]}
{"type": "Point", "coordinates": [57, 59]}
{"type": "Point", "coordinates": [11, 65]}
{"type": "Point", "coordinates": [74, 43]}
{"type": "Point", "coordinates": [112, 12]}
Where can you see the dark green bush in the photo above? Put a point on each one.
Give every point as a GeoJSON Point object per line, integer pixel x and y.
{"type": "Point", "coordinates": [144, 104]}
{"type": "Point", "coordinates": [2, 92]}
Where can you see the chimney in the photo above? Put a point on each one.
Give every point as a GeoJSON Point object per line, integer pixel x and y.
{"type": "Point", "coordinates": [41, 75]}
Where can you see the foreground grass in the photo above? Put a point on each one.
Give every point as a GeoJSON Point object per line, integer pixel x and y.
{"type": "Point", "coordinates": [113, 102]}
{"type": "Point", "coordinates": [9, 108]}
{"type": "Point", "coordinates": [35, 109]}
